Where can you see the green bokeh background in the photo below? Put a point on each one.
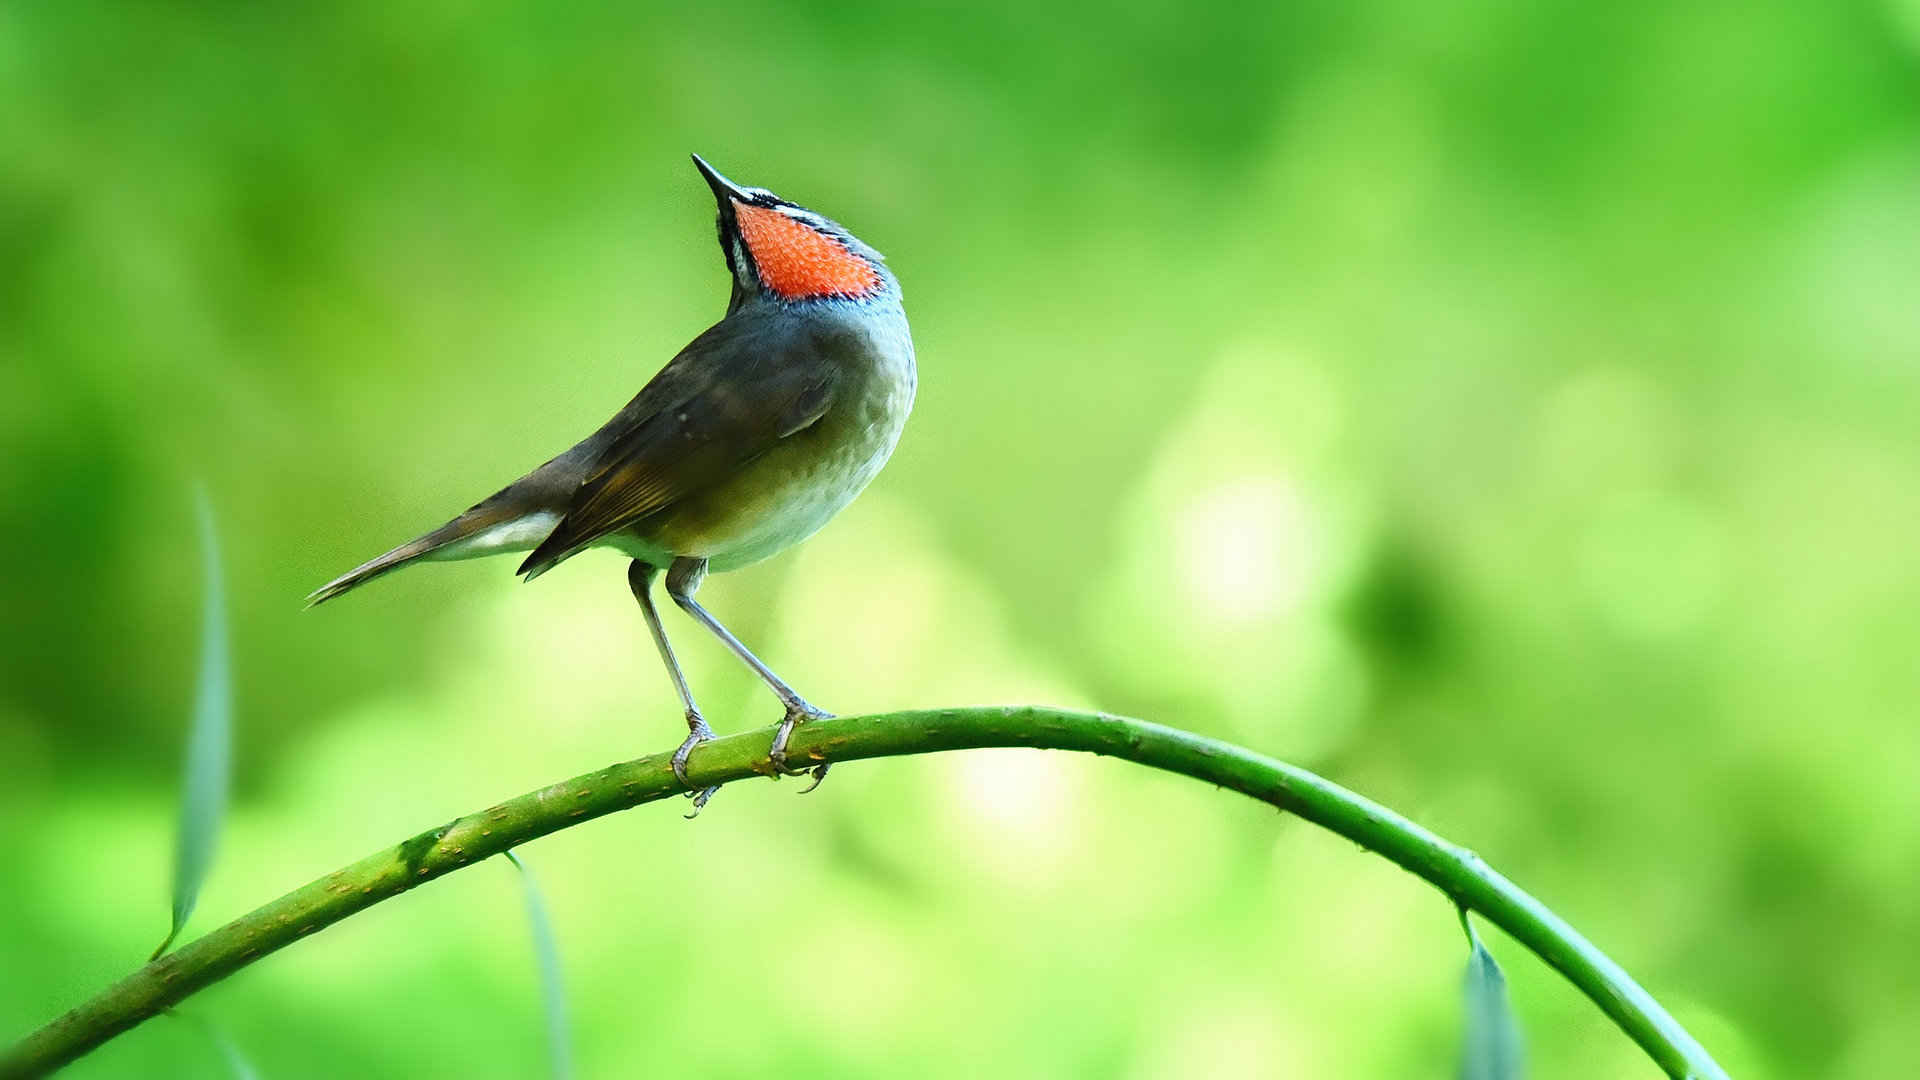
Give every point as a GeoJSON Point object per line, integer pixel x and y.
{"type": "Point", "coordinates": [1509, 410]}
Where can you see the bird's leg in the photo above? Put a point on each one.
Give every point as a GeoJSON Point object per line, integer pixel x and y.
{"type": "Point", "coordinates": [640, 578]}
{"type": "Point", "coordinates": [683, 580]}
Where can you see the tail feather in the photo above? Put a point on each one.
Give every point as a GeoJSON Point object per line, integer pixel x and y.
{"type": "Point", "coordinates": [392, 560]}
{"type": "Point", "coordinates": [515, 518]}
{"type": "Point", "coordinates": [482, 530]}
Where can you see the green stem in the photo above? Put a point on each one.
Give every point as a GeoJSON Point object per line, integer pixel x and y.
{"type": "Point", "coordinates": [1457, 872]}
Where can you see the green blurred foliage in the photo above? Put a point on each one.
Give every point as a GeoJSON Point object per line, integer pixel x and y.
{"type": "Point", "coordinates": [1509, 410]}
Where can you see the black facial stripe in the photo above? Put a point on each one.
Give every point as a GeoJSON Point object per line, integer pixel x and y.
{"type": "Point", "coordinates": [728, 225]}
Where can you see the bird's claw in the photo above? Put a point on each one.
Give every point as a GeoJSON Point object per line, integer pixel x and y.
{"type": "Point", "coordinates": [697, 733]}
{"type": "Point", "coordinates": [819, 773]}
{"type": "Point", "coordinates": [798, 712]}
{"type": "Point", "coordinates": [699, 801]}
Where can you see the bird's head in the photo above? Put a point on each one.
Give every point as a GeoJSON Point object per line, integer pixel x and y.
{"type": "Point", "coordinates": [788, 253]}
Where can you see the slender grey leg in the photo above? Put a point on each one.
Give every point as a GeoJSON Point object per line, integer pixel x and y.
{"type": "Point", "coordinates": [640, 578]}
{"type": "Point", "coordinates": [683, 580]}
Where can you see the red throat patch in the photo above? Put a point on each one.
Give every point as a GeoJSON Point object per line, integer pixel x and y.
{"type": "Point", "coordinates": [798, 263]}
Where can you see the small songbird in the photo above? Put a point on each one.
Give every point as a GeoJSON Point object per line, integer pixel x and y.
{"type": "Point", "coordinates": [744, 444]}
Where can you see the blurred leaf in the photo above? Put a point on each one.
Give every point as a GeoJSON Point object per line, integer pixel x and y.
{"type": "Point", "coordinates": [1491, 1048]}
{"type": "Point", "coordinates": [237, 1063]}
{"type": "Point", "coordinates": [203, 797]}
{"type": "Point", "coordinates": [547, 950]}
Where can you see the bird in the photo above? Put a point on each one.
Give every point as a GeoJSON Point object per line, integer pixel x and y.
{"type": "Point", "coordinates": [747, 442]}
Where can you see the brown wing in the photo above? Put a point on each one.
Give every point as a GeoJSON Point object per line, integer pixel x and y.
{"type": "Point", "coordinates": [725, 400]}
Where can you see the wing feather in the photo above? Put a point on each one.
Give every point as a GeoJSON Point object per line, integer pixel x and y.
{"type": "Point", "coordinates": [726, 399]}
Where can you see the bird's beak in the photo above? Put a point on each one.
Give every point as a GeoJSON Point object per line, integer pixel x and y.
{"type": "Point", "coordinates": [724, 189]}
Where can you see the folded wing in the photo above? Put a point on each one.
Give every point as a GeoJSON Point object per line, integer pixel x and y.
{"type": "Point", "coordinates": [729, 397]}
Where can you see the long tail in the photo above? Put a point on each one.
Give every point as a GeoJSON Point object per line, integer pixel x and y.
{"type": "Point", "coordinates": [483, 530]}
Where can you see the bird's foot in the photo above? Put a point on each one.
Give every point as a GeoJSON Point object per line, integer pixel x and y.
{"type": "Point", "coordinates": [697, 733]}
{"type": "Point", "coordinates": [798, 712]}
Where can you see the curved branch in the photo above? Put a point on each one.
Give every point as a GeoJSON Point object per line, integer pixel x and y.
{"type": "Point", "coordinates": [1457, 872]}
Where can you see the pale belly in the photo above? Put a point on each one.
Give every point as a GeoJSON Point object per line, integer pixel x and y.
{"type": "Point", "coordinates": [786, 494]}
